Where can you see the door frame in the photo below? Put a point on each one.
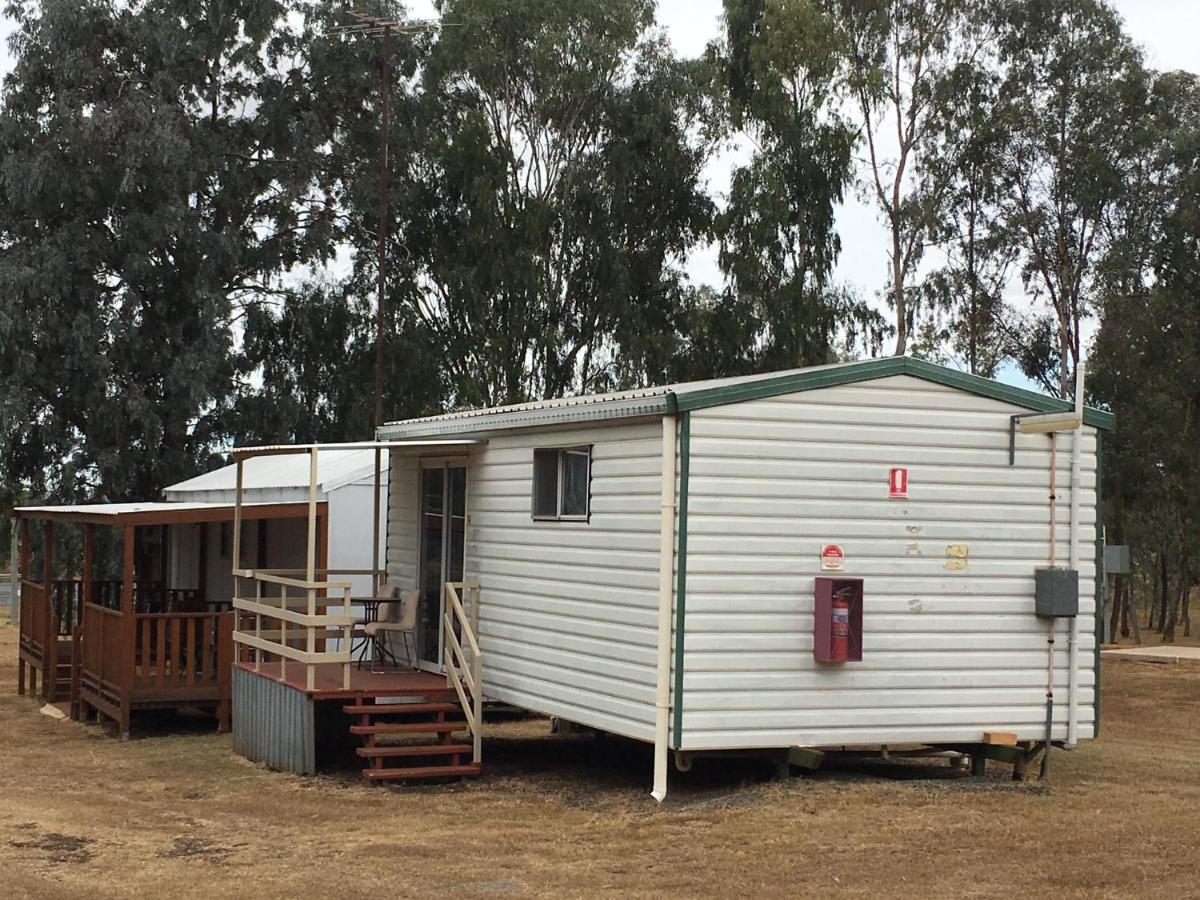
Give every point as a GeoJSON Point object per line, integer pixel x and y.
{"type": "Point", "coordinates": [445, 463]}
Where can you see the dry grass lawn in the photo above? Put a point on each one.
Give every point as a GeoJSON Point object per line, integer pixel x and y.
{"type": "Point", "coordinates": [177, 814]}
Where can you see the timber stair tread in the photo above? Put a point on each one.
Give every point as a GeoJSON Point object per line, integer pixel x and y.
{"type": "Point", "coordinates": [408, 728]}
{"type": "Point", "coordinates": [413, 750]}
{"type": "Point", "coordinates": [419, 772]}
{"type": "Point", "coordinates": [392, 709]}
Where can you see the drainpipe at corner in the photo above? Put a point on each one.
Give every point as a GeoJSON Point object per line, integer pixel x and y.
{"type": "Point", "coordinates": [666, 574]}
{"type": "Point", "coordinates": [1073, 639]}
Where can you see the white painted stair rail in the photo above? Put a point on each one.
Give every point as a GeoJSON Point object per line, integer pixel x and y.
{"type": "Point", "coordinates": [463, 673]}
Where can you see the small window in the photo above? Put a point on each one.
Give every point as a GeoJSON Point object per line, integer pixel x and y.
{"type": "Point", "coordinates": [562, 483]}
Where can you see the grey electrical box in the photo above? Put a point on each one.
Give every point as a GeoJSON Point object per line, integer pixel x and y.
{"type": "Point", "coordinates": [1056, 593]}
{"type": "Point", "coordinates": [1116, 559]}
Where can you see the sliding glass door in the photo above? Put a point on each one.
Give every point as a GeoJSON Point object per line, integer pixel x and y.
{"type": "Point", "coordinates": [443, 547]}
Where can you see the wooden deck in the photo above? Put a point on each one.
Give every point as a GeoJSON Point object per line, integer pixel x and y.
{"type": "Point", "coordinates": [363, 682]}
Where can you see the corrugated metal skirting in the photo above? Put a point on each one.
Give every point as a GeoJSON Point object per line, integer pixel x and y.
{"type": "Point", "coordinates": [273, 724]}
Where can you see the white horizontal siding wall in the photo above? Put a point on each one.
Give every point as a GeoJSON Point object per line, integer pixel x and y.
{"type": "Point", "coordinates": [401, 547]}
{"type": "Point", "coordinates": [947, 654]}
{"type": "Point", "coordinates": [568, 609]}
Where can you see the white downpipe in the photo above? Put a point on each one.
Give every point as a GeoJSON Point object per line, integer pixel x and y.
{"type": "Point", "coordinates": [1073, 536]}
{"type": "Point", "coordinates": [666, 577]}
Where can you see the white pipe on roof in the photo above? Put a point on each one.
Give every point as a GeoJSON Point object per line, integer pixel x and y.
{"type": "Point", "coordinates": [666, 573]}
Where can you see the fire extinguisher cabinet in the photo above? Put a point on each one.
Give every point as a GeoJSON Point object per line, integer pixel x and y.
{"type": "Point", "coordinates": [837, 620]}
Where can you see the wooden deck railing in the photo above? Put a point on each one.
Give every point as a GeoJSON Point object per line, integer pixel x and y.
{"type": "Point", "coordinates": [464, 661]}
{"type": "Point", "coordinates": [292, 624]}
{"type": "Point", "coordinates": [103, 651]}
{"type": "Point", "coordinates": [159, 660]}
{"type": "Point", "coordinates": [179, 651]}
{"type": "Point", "coordinates": [41, 637]}
{"type": "Point", "coordinates": [34, 613]}
{"type": "Point", "coordinates": [149, 596]}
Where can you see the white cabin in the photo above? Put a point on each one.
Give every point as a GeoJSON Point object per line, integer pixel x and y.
{"type": "Point", "coordinates": [767, 471]}
{"type": "Point", "coordinates": [839, 555]}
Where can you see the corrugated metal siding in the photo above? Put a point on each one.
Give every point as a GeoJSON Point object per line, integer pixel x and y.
{"type": "Point", "coordinates": [275, 478]}
{"type": "Point", "coordinates": [567, 609]}
{"type": "Point", "coordinates": [273, 724]}
{"type": "Point", "coordinates": [947, 654]}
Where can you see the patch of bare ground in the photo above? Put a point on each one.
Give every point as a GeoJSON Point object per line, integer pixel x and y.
{"type": "Point", "coordinates": [176, 812]}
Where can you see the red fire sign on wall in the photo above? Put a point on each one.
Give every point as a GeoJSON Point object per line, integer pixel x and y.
{"type": "Point", "coordinates": [832, 558]}
{"type": "Point", "coordinates": [898, 483]}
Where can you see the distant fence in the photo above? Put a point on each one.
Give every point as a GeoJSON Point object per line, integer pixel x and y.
{"type": "Point", "coordinates": [6, 593]}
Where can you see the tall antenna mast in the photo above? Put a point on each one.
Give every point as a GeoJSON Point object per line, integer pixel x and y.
{"type": "Point", "coordinates": [367, 25]}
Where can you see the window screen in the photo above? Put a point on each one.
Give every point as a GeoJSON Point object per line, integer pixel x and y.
{"type": "Point", "coordinates": [575, 484]}
{"type": "Point", "coordinates": [561, 483]}
{"type": "Point", "coordinates": [545, 484]}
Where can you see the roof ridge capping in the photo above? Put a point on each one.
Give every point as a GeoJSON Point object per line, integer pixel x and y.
{"type": "Point", "coordinates": [870, 369]}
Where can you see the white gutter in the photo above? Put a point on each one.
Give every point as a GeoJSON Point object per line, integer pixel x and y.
{"type": "Point", "coordinates": [666, 576]}
{"type": "Point", "coordinates": [1073, 639]}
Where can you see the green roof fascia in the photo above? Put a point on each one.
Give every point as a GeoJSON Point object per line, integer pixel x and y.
{"type": "Point", "coordinates": [871, 369]}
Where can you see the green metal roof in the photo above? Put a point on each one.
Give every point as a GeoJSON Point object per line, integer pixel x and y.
{"type": "Point", "coordinates": [850, 373]}
{"type": "Point", "coordinates": [718, 392]}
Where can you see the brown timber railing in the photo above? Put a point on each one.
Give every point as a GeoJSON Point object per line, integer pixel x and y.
{"type": "Point", "coordinates": [464, 661]}
{"type": "Point", "coordinates": [35, 615]}
{"type": "Point", "coordinates": [149, 596]}
{"type": "Point", "coordinates": [158, 659]}
{"type": "Point", "coordinates": [104, 657]}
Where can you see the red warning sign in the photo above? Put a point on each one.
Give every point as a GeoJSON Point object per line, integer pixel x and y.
{"type": "Point", "coordinates": [832, 558]}
{"type": "Point", "coordinates": [898, 483]}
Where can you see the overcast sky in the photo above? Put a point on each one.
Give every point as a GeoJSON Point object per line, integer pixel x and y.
{"type": "Point", "coordinates": [1167, 30]}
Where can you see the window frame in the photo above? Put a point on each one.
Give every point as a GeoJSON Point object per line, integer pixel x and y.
{"type": "Point", "coordinates": [560, 457]}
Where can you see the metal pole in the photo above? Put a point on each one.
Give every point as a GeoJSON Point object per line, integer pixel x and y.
{"type": "Point", "coordinates": [376, 581]}
{"type": "Point", "coordinates": [383, 222]}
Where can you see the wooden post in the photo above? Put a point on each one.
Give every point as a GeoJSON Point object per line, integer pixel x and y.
{"type": "Point", "coordinates": [49, 637]}
{"type": "Point", "coordinates": [202, 565]}
{"type": "Point", "coordinates": [87, 590]}
{"type": "Point", "coordinates": [48, 555]}
{"type": "Point", "coordinates": [260, 545]}
{"type": "Point", "coordinates": [23, 569]}
{"type": "Point", "coordinates": [89, 563]}
{"type": "Point", "coordinates": [128, 630]}
{"type": "Point", "coordinates": [164, 562]}
{"type": "Point", "coordinates": [25, 550]}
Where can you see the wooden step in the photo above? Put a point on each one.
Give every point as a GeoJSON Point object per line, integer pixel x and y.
{"type": "Point", "coordinates": [389, 709]}
{"type": "Point", "coordinates": [414, 750]}
{"type": "Point", "coordinates": [408, 728]}
{"type": "Point", "coordinates": [420, 772]}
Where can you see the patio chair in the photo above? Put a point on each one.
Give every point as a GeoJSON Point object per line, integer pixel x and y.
{"type": "Point", "coordinates": [398, 618]}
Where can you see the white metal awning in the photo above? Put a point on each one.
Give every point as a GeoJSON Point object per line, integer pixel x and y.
{"type": "Point", "coordinates": [281, 449]}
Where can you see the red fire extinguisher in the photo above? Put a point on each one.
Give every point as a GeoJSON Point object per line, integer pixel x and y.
{"type": "Point", "coordinates": [839, 633]}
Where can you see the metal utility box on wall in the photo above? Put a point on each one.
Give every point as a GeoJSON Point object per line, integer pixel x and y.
{"type": "Point", "coordinates": [837, 619]}
{"type": "Point", "coordinates": [1056, 593]}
